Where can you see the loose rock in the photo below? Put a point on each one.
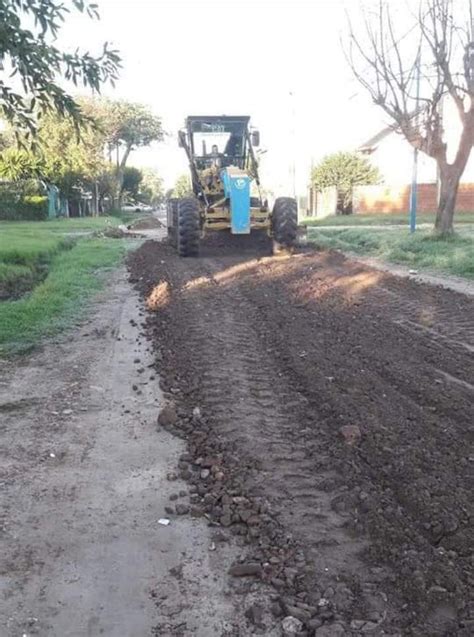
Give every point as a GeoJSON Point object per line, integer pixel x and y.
{"type": "Point", "coordinates": [182, 509]}
{"type": "Point", "coordinates": [168, 416]}
{"type": "Point", "coordinates": [330, 630]}
{"type": "Point", "coordinates": [351, 434]}
{"type": "Point", "coordinates": [246, 569]}
{"type": "Point", "coordinates": [291, 626]}
{"type": "Point", "coordinates": [255, 614]}
{"type": "Point", "coordinates": [299, 613]}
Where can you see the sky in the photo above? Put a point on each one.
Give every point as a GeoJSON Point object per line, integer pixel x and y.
{"type": "Point", "coordinates": [279, 61]}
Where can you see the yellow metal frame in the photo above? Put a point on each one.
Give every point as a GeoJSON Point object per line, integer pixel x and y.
{"type": "Point", "coordinates": [219, 219]}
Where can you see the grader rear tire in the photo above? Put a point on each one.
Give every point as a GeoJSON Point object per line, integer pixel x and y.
{"type": "Point", "coordinates": [284, 223]}
{"type": "Point", "coordinates": [189, 227]}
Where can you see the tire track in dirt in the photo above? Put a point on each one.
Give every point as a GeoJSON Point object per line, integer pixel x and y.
{"type": "Point", "coordinates": [281, 354]}
{"type": "Point", "coordinates": [256, 409]}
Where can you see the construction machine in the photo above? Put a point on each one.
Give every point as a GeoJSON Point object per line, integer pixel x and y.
{"type": "Point", "coordinates": [226, 191]}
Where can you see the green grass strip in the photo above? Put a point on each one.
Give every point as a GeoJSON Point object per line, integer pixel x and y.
{"type": "Point", "coordinates": [382, 219]}
{"type": "Point", "coordinates": [453, 255]}
{"type": "Point", "coordinates": [73, 277]}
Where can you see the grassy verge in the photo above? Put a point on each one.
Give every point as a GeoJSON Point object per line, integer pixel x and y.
{"type": "Point", "coordinates": [47, 269]}
{"type": "Point", "coordinates": [16, 280]}
{"type": "Point", "coordinates": [421, 250]}
{"type": "Point", "coordinates": [64, 226]}
{"type": "Point", "coordinates": [381, 219]}
{"type": "Point", "coordinates": [74, 275]}
{"type": "Point", "coordinates": [27, 248]}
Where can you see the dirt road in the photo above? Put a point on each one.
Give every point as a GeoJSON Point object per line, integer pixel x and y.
{"type": "Point", "coordinates": [328, 410]}
{"type": "Point", "coordinates": [84, 482]}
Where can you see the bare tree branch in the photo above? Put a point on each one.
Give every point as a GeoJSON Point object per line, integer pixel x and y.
{"type": "Point", "coordinates": [391, 74]}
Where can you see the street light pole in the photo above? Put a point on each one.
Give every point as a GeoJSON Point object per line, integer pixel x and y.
{"type": "Point", "coordinates": [293, 137]}
{"type": "Point", "coordinates": [414, 181]}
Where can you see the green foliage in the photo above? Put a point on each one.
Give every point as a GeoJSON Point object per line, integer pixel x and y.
{"type": "Point", "coordinates": [151, 187]}
{"type": "Point", "coordinates": [128, 126]}
{"type": "Point", "coordinates": [16, 280]}
{"type": "Point", "coordinates": [59, 156]}
{"type": "Point", "coordinates": [17, 164]}
{"type": "Point", "coordinates": [10, 272]}
{"type": "Point", "coordinates": [182, 187]}
{"type": "Point", "coordinates": [67, 161]}
{"type": "Point", "coordinates": [34, 208]}
{"type": "Point", "coordinates": [131, 125]}
{"type": "Point", "coordinates": [132, 179]}
{"type": "Point", "coordinates": [382, 219]}
{"type": "Point", "coordinates": [454, 255]}
{"type": "Point", "coordinates": [29, 244]}
{"type": "Point", "coordinates": [344, 170]}
{"type": "Point", "coordinates": [52, 229]}
{"type": "Point", "coordinates": [28, 31]}
{"type": "Point", "coordinates": [73, 163]}
{"type": "Point", "coordinates": [17, 204]}
{"type": "Point", "coordinates": [73, 277]}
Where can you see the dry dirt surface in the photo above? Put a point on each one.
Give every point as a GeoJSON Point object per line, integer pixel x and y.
{"type": "Point", "coordinates": [86, 478]}
{"type": "Point", "coordinates": [328, 414]}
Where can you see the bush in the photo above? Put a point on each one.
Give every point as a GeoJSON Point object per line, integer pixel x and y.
{"type": "Point", "coordinates": [344, 170]}
{"type": "Point", "coordinates": [35, 208]}
{"type": "Point", "coordinates": [16, 206]}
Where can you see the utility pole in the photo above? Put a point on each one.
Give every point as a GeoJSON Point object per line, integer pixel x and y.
{"type": "Point", "coordinates": [438, 172]}
{"type": "Point", "coordinates": [414, 181]}
{"type": "Point", "coordinates": [293, 137]}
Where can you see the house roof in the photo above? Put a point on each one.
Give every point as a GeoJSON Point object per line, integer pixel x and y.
{"type": "Point", "coordinates": [371, 144]}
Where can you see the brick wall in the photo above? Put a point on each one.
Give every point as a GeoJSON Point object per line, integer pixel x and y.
{"type": "Point", "coordinates": [465, 200]}
{"type": "Point", "coordinates": [393, 199]}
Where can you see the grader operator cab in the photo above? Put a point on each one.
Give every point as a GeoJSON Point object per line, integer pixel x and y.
{"type": "Point", "coordinates": [226, 187]}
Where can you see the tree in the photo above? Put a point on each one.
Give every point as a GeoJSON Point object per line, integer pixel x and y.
{"type": "Point", "coordinates": [182, 187]}
{"type": "Point", "coordinates": [132, 180]}
{"type": "Point", "coordinates": [440, 47]}
{"type": "Point", "coordinates": [124, 126]}
{"type": "Point", "coordinates": [97, 159]}
{"type": "Point", "coordinates": [17, 164]}
{"type": "Point", "coordinates": [151, 187]}
{"type": "Point", "coordinates": [28, 29]}
{"type": "Point", "coordinates": [67, 161]}
{"type": "Point", "coordinates": [129, 126]}
{"type": "Point", "coordinates": [344, 170]}
{"type": "Point", "coordinates": [60, 158]}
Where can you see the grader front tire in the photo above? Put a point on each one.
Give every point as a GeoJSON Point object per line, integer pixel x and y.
{"type": "Point", "coordinates": [284, 223]}
{"type": "Point", "coordinates": [189, 227]}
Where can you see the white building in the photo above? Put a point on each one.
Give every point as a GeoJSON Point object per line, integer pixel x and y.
{"type": "Point", "coordinates": [393, 155]}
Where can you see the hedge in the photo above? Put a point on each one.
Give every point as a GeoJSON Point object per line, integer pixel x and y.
{"type": "Point", "coordinates": [15, 206]}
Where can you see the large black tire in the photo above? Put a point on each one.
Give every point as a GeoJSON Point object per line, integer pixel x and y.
{"type": "Point", "coordinates": [285, 222]}
{"type": "Point", "coordinates": [189, 227]}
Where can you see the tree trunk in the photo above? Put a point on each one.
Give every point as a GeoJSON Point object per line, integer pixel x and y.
{"type": "Point", "coordinates": [449, 184]}
{"type": "Point", "coordinates": [120, 175]}
{"type": "Point", "coordinates": [450, 176]}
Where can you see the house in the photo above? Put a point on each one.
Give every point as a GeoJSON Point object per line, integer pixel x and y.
{"type": "Point", "coordinates": [393, 155]}
{"type": "Point", "coordinates": [390, 152]}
